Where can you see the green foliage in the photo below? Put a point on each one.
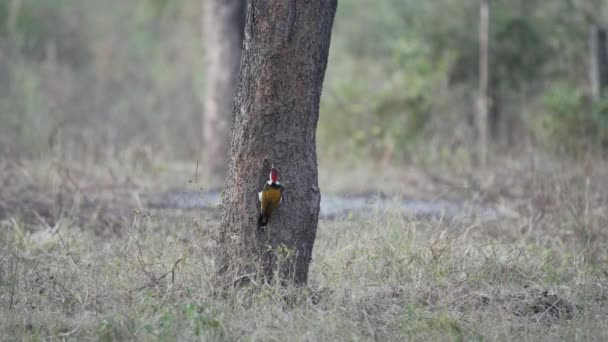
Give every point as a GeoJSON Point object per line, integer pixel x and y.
{"type": "Point", "coordinates": [600, 115]}
{"type": "Point", "coordinates": [405, 73]}
{"type": "Point", "coordinates": [568, 119]}
{"type": "Point", "coordinates": [22, 110]}
{"type": "Point", "coordinates": [91, 79]}
{"type": "Point", "coordinates": [33, 27]}
{"type": "Point", "coordinates": [518, 54]}
{"type": "Point", "coordinates": [172, 320]}
{"type": "Point", "coordinates": [379, 105]}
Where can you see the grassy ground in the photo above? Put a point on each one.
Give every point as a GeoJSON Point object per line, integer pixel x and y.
{"type": "Point", "coordinates": [72, 268]}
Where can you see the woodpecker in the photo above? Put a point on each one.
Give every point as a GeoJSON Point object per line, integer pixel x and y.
{"type": "Point", "coordinates": [270, 197]}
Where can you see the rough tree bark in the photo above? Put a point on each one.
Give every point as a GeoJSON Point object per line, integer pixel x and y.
{"type": "Point", "coordinates": [276, 112]}
{"type": "Point", "coordinates": [223, 26]}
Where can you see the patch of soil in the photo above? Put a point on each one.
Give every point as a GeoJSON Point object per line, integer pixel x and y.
{"type": "Point", "coordinates": [546, 307]}
{"type": "Point", "coordinates": [540, 306]}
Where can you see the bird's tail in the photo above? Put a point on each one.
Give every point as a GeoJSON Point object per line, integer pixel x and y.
{"type": "Point", "coordinates": [263, 221]}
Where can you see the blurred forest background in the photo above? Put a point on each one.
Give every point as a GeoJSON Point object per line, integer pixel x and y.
{"type": "Point", "coordinates": [92, 81]}
{"type": "Point", "coordinates": [109, 223]}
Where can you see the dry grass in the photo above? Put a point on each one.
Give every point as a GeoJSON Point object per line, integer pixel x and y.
{"type": "Point", "coordinates": [537, 273]}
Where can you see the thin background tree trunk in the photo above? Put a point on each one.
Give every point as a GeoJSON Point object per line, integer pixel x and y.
{"type": "Point", "coordinates": [223, 24]}
{"type": "Point", "coordinates": [482, 101]}
{"type": "Point", "coordinates": [598, 72]}
{"type": "Point", "coordinates": [276, 112]}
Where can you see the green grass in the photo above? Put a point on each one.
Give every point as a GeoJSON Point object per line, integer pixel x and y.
{"type": "Point", "coordinates": [149, 276]}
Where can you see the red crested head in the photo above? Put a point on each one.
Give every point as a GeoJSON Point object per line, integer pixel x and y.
{"type": "Point", "coordinates": [274, 175]}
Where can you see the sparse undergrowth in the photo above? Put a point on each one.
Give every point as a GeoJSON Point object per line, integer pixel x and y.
{"type": "Point", "coordinates": [537, 273]}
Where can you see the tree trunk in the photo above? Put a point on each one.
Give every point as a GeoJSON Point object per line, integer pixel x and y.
{"type": "Point", "coordinates": [482, 101]}
{"type": "Point", "coordinates": [598, 72]}
{"type": "Point", "coordinates": [223, 22]}
{"type": "Point", "coordinates": [276, 112]}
